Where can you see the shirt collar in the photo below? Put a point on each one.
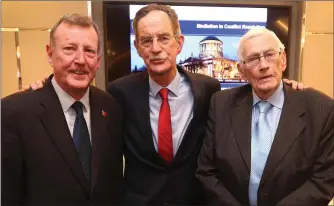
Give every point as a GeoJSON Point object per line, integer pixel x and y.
{"type": "Point", "coordinates": [66, 100]}
{"type": "Point", "coordinates": [173, 86]}
{"type": "Point", "coordinates": [276, 99]}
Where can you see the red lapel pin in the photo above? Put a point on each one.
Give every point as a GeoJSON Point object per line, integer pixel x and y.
{"type": "Point", "coordinates": [104, 113]}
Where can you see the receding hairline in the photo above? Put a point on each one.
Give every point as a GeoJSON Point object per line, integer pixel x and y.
{"type": "Point", "coordinates": [80, 20]}
{"type": "Point", "coordinates": [168, 10]}
{"type": "Point", "coordinates": [254, 33]}
{"type": "Point", "coordinates": [155, 11]}
{"type": "Point", "coordinates": [72, 25]}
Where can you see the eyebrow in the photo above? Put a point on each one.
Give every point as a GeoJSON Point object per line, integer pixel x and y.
{"type": "Point", "coordinates": [69, 44]}
{"type": "Point", "coordinates": [258, 53]}
{"type": "Point", "coordinates": [159, 34]}
{"type": "Point", "coordinates": [76, 45]}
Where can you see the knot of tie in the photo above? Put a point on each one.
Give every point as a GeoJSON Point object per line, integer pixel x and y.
{"type": "Point", "coordinates": [77, 106]}
{"type": "Point", "coordinates": [163, 93]}
{"type": "Point", "coordinates": [264, 106]}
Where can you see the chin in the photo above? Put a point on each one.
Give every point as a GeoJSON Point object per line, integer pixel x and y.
{"type": "Point", "coordinates": [268, 86]}
{"type": "Point", "coordinates": [159, 70]}
{"type": "Point", "coordinates": [79, 84]}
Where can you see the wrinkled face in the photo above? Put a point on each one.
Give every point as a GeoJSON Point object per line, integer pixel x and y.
{"type": "Point", "coordinates": [156, 43]}
{"type": "Point", "coordinates": [74, 57]}
{"type": "Point", "coordinates": [266, 75]}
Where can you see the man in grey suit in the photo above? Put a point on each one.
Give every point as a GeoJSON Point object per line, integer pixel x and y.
{"type": "Point", "coordinates": [265, 143]}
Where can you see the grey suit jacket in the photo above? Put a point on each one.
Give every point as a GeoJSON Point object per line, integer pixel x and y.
{"type": "Point", "coordinates": [300, 165]}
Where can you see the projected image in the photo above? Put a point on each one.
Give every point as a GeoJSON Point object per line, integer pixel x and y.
{"type": "Point", "coordinates": [211, 38]}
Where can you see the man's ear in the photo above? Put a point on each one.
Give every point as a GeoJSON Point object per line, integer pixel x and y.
{"type": "Point", "coordinates": [49, 53]}
{"type": "Point", "coordinates": [284, 61]}
{"type": "Point", "coordinates": [241, 70]}
{"type": "Point", "coordinates": [135, 42]}
{"type": "Point", "coordinates": [180, 42]}
{"type": "Point", "coordinates": [98, 61]}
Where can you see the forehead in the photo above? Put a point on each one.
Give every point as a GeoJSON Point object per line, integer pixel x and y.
{"type": "Point", "coordinates": [259, 43]}
{"type": "Point", "coordinates": [76, 34]}
{"type": "Point", "coordinates": [155, 22]}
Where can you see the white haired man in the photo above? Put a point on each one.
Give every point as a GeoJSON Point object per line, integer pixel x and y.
{"type": "Point", "coordinates": [265, 143]}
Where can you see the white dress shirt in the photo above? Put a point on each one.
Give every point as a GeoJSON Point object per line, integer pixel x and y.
{"type": "Point", "coordinates": [181, 102]}
{"type": "Point", "coordinates": [66, 102]}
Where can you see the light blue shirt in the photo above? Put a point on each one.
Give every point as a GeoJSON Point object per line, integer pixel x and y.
{"type": "Point", "coordinates": [273, 116]}
{"type": "Point", "coordinates": [181, 102]}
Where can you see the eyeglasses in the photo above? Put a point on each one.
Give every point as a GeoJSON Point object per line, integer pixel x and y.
{"type": "Point", "coordinates": [269, 56]}
{"type": "Point", "coordinates": [163, 39]}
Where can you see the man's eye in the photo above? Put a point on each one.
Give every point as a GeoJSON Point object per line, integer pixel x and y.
{"type": "Point", "coordinates": [91, 51]}
{"type": "Point", "coordinates": [164, 38]}
{"type": "Point", "coordinates": [250, 59]}
{"type": "Point", "coordinates": [69, 48]}
{"type": "Point", "coordinates": [270, 54]}
{"type": "Point", "coordinates": [145, 41]}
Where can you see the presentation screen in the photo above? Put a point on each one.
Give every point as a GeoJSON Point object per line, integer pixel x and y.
{"type": "Point", "coordinates": [211, 38]}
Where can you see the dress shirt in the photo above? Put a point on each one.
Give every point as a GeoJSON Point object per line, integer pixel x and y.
{"type": "Point", "coordinates": [66, 102]}
{"type": "Point", "coordinates": [273, 115]}
{"type": "Point", "coordinates": [181, 102]}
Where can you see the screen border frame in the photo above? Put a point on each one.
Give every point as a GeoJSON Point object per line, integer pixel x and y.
{"type": "Point", "coordinates": [296, 28]}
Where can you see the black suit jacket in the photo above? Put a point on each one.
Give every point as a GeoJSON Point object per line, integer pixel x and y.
{"type": "Point", "coordinates": [300, 165]}
{"type": "Point", "coordinates": [148, 179]}
{"type": "Point", "coordinates": [39, 163]}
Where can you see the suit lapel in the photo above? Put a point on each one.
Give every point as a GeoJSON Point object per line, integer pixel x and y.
{"type": "Point", "coordinates": [241, 118]}
{"type": "Point", "coordinates": [199, 94]}
{"type": "Point", "coordinates": [53, 119]}
{"type": "Point", "coordinates": [99, 133]}
{"type": "Point", "coordinates": [140, 95]}
{"type": "Point", "coordinates": [289, 127]}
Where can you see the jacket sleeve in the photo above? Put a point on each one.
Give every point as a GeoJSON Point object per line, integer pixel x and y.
{"type": "Point", "coordinates": [215, 190]}
{"type": "Point", "coordinates": [319, 189]}
{"type": "Point", "coordinates": [11, 157]}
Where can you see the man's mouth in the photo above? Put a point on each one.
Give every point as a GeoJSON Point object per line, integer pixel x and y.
{"type": "Point", "coordinates": [78, 72]}
{"type": "Point", "coordinates": [266, 77]}
{"type": "Point", "coordinates": [157, 60]}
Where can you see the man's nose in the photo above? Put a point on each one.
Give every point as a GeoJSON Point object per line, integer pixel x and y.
{"type": "Point", "coordinates": [156, 47]}
{"type": "Point", "coordinates": [80, 57]}
{"type": "Point", "coordinates": [263, 64]}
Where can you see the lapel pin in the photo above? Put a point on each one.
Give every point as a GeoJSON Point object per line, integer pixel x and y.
{"type": "Point", "coordinates": [104, 113]}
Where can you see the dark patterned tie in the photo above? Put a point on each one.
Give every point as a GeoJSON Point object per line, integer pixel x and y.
{"type": "Point", "coordinates": [165, 143]}
{"type": "Point", "coordinates": [81, 140]}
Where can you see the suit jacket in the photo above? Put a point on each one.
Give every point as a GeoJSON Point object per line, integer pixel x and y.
{"type": "Point", "coordinates": [39, 163]}
{"type": "Point", "coordinates": [300, 166]}
{"type": "Point", "coordinates": [149, 181]}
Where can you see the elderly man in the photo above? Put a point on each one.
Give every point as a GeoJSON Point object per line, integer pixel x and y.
{"type": "Point", "coordinates": [62, 144]}
{"type": "Point", "coordinates": [165, 112]}
{"type": "Point", "coordinates": [266, 144]}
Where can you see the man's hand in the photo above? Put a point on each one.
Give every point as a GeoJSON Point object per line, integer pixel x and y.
{"type": "Point", "coordinates": [39, 84]}
{"type": "Point", "coordinates": [294, 84]}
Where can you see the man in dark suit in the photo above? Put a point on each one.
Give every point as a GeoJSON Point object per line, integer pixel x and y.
{"type": "Point", "coordinates": [62, 144]}
{"type": "Point", "coordinates": [266, 144]}
{"type": "Point", "coordinates": [165, 112]}
{"type": "Point", "coordinates": [161, 148]}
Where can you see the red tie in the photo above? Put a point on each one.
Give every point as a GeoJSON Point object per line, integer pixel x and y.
{"type": "Point", "coordinates": [165, 142]}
